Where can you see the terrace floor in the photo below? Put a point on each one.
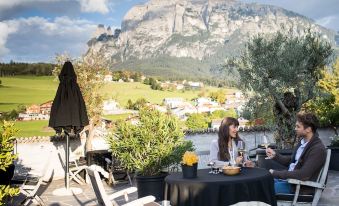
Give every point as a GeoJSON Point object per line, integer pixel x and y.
{"type": "Point", "coordinates": [330, 196]}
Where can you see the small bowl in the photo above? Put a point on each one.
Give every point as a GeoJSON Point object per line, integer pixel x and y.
{"type": "Point", "coordinates": [231, 170]}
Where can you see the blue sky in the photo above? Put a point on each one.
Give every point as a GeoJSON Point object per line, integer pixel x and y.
{"type": "Point", "coordinates": [37, 30]}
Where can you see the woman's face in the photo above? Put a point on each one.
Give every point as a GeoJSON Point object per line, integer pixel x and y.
{"type": "Point", "coordinates": [233, 130]}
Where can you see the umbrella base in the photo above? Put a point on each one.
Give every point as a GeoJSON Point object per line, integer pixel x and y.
{"type": "Point", "coordinates": [67, 192]}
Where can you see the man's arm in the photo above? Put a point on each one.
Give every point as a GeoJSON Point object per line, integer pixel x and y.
{"type": "Point", "coordinates": [312, 164]}
{"type": "Point", "coordinates": [284, 160]}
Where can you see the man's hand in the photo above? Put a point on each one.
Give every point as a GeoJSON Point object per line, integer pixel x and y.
{"type": "Point", "coordinates": [270, 153]}
{"type": "Point", "coordinates": [249, 163]}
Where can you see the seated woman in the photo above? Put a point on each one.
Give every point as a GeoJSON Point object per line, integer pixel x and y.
{"type": "Point", "coordinates": [226, 144]}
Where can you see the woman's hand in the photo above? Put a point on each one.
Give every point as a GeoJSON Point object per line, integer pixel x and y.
{"type": "Point", "coordinates": [239, 160]}
{"type": "Point", "coordinates": [249, 163]}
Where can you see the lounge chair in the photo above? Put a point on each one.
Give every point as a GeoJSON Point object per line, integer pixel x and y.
{"type": "Point", "coordinates": [74, 169]}
{"type": "Point", "coordinates": [30, 184]}
{"type": "Point", "coordinates": [319, 186]}
{"type": "Point", "coordinates": [108, 200]}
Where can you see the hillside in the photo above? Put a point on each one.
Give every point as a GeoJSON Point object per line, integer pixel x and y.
{"type": "Point", "coordinates": [191, 38]}
{"type": "Point", "coordinates": [29, 90]}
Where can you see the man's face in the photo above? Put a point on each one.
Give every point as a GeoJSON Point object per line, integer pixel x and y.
{"type": "Point", "coordinates": [300, 130]}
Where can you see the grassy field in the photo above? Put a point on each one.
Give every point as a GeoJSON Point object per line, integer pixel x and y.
{"type": "Point", "coordinates": [25, 90]}
{"type": "Point", "coordinates": [33, 128]}
{"type": "Point", "coordinates": [124, 91]}
{"type": "Point", "coordinates": [29, 90]}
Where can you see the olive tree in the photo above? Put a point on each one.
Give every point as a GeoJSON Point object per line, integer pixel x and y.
{"type": "Point", "coordinates": [280, 70]}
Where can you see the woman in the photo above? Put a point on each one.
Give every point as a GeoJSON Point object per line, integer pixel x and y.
{"type": "Point", "coordinates": [226, 144]}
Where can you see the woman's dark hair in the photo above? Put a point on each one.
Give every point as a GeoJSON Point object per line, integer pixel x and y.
{"type": "Point", "coordinates": [308, 120]}
{"type": "Point", "coordinates": [224, 137]}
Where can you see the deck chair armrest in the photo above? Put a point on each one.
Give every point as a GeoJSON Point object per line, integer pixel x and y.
{"type": "Point", "coordinates": [123, 192]}
{"type": "Point", "coordinates": [141, 201]}
{"type": "Point", "coordinates": [306, 183]}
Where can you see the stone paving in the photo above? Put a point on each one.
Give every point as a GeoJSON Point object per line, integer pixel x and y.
{"type": "Point", "coordinates": [330, 196]}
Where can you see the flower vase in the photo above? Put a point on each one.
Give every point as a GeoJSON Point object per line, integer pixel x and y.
{"type": "Point", "coordinates": [189, 172]}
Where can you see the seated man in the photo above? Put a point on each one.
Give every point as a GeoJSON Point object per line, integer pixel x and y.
{"type": "Point", "coordinates": [307, 159]}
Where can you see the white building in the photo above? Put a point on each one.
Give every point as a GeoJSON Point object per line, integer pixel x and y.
{"type": "Point", "coordinates": [108, 78]}
{"type": "Point", "coordinates": [173, 102]}
{"type": "Point", "coordinates": [32, 116]}
{"type": "Point", "coordinates": [110, 107]}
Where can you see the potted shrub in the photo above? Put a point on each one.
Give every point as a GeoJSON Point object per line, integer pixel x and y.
{"type": "Point", "coordinates": [334, 146]}
{"type": "Point", "coordinates": [6, 161]}
{"type": "Point", "coordinates": [148, 148]}
{"type": "Point", "coordinates": [189, 165]}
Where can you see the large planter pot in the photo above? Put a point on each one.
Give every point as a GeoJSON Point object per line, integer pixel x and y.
{"type": "Point", "coordinates": [189, 172]}
{"type": "Point", "coordinates": [268, 163]}
{"type": "Point", "coordinates": [334, 162]}
{"type": "Point", "coordinates": [151, 185]}
{"type": "Point", "coordinates": [6, 176]}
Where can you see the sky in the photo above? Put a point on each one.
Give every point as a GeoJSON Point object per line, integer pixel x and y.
{"type": "Point", "coordinates": [38, 30]}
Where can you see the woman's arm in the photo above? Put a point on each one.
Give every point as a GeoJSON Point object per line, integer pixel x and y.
{"type": "Point", "coordinates": [214, 150]}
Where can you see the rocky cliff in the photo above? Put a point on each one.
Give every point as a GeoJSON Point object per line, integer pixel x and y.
{"type": "Point", "coordinates": [190, 37]}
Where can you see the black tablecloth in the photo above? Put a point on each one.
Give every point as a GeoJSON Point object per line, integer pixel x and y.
{"type": "Point", "coordinates": [252, 184]}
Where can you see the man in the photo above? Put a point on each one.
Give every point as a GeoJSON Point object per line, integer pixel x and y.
{"type": "Point", "coordinates": [307, 159]}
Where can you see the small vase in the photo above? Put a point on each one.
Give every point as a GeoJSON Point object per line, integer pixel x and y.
{"type": "Point", "coordinates": [189, 172]}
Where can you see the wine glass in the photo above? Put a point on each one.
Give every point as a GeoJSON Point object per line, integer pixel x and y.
{"type": "Point", "coordinates": [265, 142]}
{"type": "Point", "coordinates": [241, 147]}
{"type": "Point", "coordinates": [211, 164]}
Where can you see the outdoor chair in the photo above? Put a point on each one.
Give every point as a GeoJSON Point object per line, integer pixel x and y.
{"type": "Point", "coordinates": [319, 186]}
{"type": "Point", "coordinates": [75, 167]}
{"type": "Point", "coordinates": [108, 200]}
{"type": "Point", "coordinates": [30, 184]}
{"type": "Point", "coordinates": [114, 168]}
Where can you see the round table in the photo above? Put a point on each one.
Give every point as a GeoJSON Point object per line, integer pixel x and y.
{"type": "Point", "coordinates": [252, 184]}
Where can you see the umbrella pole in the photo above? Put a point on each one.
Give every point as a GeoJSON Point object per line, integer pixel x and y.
{"type": "Point", "coordinates": [67, 162]}
{"type": "Point", "coordinates": [67, 191]}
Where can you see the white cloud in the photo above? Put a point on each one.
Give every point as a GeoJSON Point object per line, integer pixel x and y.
{"type": "Point", "coordinates": [5, 30]}
{"type": "Point", "coordinates": [89, 6]}
{"type": "Point", "coordinates": [100, 6]}
{"type": "Point", "coordinates": [39, 39]}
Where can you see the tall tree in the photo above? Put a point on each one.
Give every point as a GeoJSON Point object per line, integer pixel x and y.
{"type": "Point", "coordinates": [326, 105]}
{"type": "Point", "coordinates": [90, 75]}
{"type": "Point", "coordinates": [282, 70]}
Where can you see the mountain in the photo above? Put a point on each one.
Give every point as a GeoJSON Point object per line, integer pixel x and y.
{"type": "Point", "coordinates": [190, 38]}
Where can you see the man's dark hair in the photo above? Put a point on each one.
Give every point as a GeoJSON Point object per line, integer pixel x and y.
{"type": "Point", "coordinates": [308, 120]}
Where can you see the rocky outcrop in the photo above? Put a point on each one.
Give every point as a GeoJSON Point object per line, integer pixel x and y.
{"type": "Point", "coordinates": [201, 30]}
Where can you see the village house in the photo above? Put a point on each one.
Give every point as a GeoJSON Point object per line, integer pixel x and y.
{"type": "Point", "coordinates": [45, 108]}
{"type": "Point", "coordinates": [108, 78]}
{"type": "Point", "coordinates": [110, 107]}
{"type": "Point", "coordinates": [33, 109]}
{"type": "Point", "coordinates": [172, 102]}
{"type": "Point", "coordinates": [184, 109]}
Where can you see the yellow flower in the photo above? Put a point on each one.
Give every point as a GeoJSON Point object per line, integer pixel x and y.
{"type": "Point", "coordinates": [189, 158]}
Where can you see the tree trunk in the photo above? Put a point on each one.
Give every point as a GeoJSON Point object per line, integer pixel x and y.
{"type": "Point", "coordinates": [285, 112]}
{"type": "Point", "coordinates": [285, 136]}
{"type": "Point", "coordinates": [88, 145]}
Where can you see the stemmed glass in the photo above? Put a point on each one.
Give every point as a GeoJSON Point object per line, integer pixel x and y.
{"type": "Point", "coordinates": [211, 164]}
{"type": "Point", "coordinates": [265, 142]}
{"type": "Point", "coordinates": [241, 148]}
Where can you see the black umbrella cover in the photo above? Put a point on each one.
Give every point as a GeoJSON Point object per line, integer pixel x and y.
{"type": "Point", "coordinates": [68, 109]}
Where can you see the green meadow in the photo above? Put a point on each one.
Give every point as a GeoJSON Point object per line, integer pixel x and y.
{"type": "Point", "coordinates": [28, 90]}
{"type": "Point", "coordinates": [25, 90]}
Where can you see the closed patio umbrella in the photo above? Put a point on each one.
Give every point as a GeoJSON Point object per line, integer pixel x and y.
{"type": "Point", "coordinates": [68, 112]}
